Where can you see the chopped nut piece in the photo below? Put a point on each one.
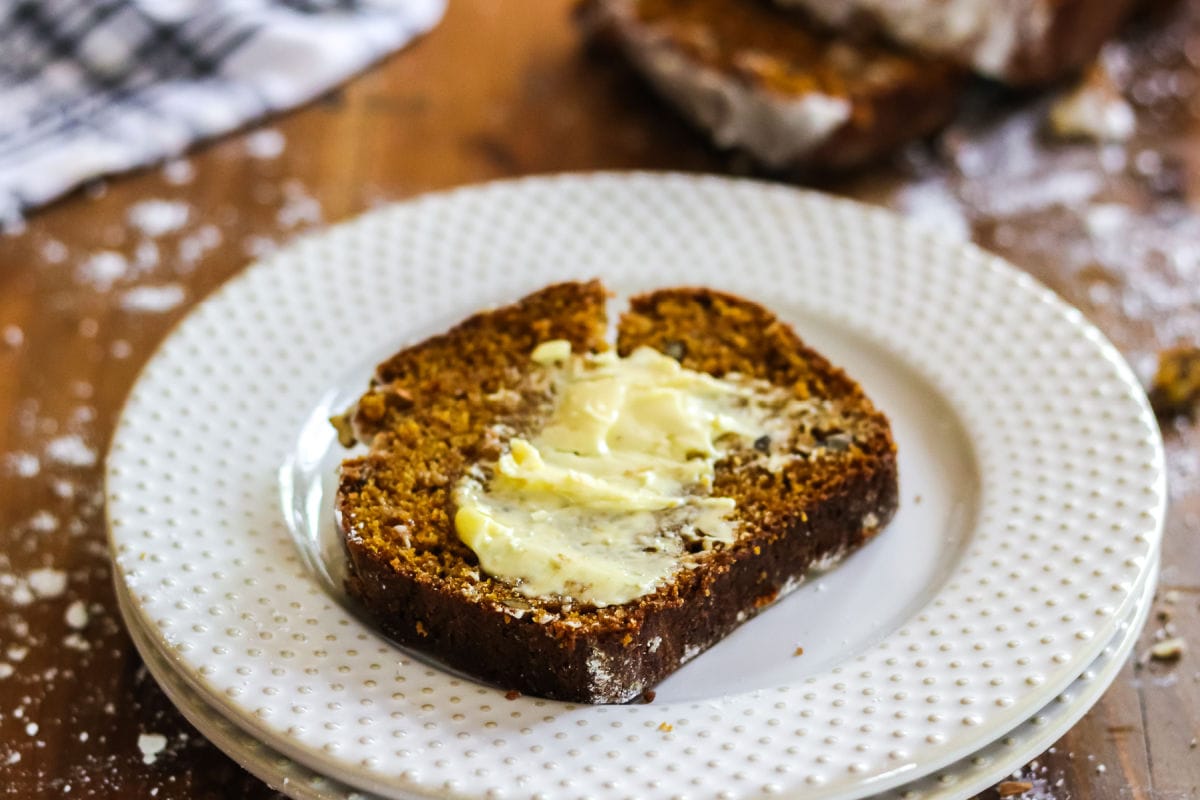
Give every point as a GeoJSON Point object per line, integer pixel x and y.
{"type": "Point", "coordinates": [799, 651]}
{"type": "Point", "coordinates": [345, 431]}
{"type": "Point", "coordinates": [1094, 110]}
{"type": "Point", "coordinates": [1011, 788]}
{"type": "Point", "coordinates": [1168, 649]}
{"type": "Point", "coordinates": [1176, 386]}
{"type": "Point", "coordinates": [511, 694]}
{"type": "Point", "coordinates": [648, 696]}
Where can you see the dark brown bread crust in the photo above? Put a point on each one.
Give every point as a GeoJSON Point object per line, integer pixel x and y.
{"type": "Point", "coordinates": [815, 508]}
{"type": "Point", "coordinates": [893, 97]}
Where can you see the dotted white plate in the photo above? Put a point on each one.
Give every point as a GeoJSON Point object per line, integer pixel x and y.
{"type": "Point", "coordinates": [961, 779]}
{"type": "Point", "coordinates": [1031, 474]}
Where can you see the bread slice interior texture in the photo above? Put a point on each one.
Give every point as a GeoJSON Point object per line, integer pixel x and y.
{"type": "Point", "coordinates": [437, 411]}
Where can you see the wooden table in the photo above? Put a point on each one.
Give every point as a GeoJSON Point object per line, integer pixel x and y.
{"type": "Point", "coordinates": [503, 89]}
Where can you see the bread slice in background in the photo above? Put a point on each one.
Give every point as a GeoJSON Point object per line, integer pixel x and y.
{"type": "Point", "coordinates": [761, 80]}
{"type": "Point", "coordinates": [433, 411]}
{"type": "Point", "coordinates": [1018, 42]}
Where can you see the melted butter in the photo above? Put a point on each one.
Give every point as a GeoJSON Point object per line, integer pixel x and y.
{"type": "Point", "coordinates": [604, 503]}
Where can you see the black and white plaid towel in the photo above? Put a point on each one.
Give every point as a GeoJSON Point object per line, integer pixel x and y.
{"type": "Point", "coordinates": [89, 87]}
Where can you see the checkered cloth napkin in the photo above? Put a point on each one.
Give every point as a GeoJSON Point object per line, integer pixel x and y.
{"type": "Point", "coordinates": [89, 87]}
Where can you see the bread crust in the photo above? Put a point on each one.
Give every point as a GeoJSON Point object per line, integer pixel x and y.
{"type": "Point", "coordinates": [815, 511]}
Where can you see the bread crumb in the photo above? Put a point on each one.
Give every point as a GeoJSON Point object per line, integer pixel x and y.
{"type": "Point", "coordinates": [648, 696]}
{"type": "Point", "coordinates": [1011, 788]}
{"type": "Point", "coordinates": [1093, 110]}
{"type": "Point", "coordinates": [666, 727]}
{"type": "Point", "coordinates": [1175, 389]}
{"type": "Point", "coordinates": [511, 694]}
{"type": "Point", "coordinates": [1168, 649]}
{"type": "Point", "coordinates": [799, 651]}
{"type": "Point", "coordinates": [151, 744]}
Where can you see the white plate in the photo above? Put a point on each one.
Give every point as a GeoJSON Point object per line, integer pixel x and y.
{"type": "Point", "coordinates": [962, 779]}
{"type": "Point", "coordinates": [1033, 451]}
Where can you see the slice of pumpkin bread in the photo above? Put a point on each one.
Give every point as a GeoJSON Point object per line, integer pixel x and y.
{"type": "Point", "coordinates": [462, 431]}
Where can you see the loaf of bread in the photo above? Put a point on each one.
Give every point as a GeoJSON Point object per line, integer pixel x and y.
{"type": "Point", "coordinates": [765, 82]}
{"type": "Point", "coordinates": [1020, 42]}
{"type": "Point", "coordinates": [447, 412]}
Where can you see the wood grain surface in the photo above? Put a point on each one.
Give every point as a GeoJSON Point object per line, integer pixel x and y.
{"type": "Point", "coordinates": [504, 88]}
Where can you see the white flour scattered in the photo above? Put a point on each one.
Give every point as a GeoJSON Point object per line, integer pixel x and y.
{"type": "Point", "coordinates": [103, 269]}
{"type": "Point", "coordinates": [11, 222]}
{"type": "Point", "coordinates": [151, 744]}
{"type": "Point", "coordinates": [120, 349]}
{"type": "Point", "coordinates": [43, 522]}
{"type": "Point", "coordinates": [193, 247]}
{"type": "Point", "coordinates": [299, 207]}
{"type": "Point", "coordinates": [16, 590]}
{"type": "Point", "coordinates": [13, 758]}
{"type": "Point", "coordinates": [6, 670]}
{"type": "Point", "coordinates": [178, 172]}
{"type": "Point", "coordinates": [156, 218]}
{"type": "Point", "coordinates": [76, 615]}
{"type": "Point", "coordinates": [267, 143]}
{"type": "Point", "coordinates": [12, 336]}
{"type": "Point", "coordinates": [31, 728]}
{"type": "Point", "coordinates": [258, 246]}
{"type": "Point", "coordinates": [23, 465]}
{"type": "Point", "coordinates": [153, 299]}
{"type": "Point", "coordinates": [932, 205]}
{"type": "Point", "coordinates": [145, 256]}
{"type": "Point", "coordinates": [47, 582]}
{"type": "Point", "coordinates": [53, 251]}
{"type": "Point", "coordinates": [74, 641]}
{"type": "Point", "coordinates": [72, 451]}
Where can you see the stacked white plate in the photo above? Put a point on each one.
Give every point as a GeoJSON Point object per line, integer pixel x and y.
{"type": "Point", "coordinates": [993, 612]}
